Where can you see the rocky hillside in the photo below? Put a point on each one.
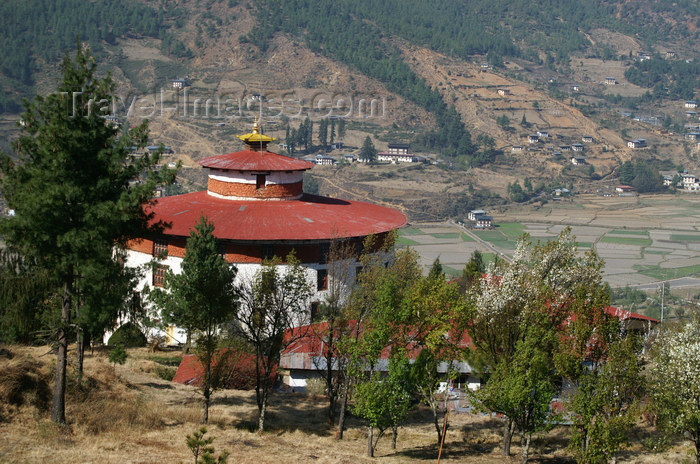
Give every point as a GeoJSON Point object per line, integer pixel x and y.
{"type": "Point", "coordinates": [470, 105]}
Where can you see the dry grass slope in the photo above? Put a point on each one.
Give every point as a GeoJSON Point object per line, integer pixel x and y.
{"type": "Point", "coordinates": [128, 415]}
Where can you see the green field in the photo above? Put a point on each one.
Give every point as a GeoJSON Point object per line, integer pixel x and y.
{"type": "Point", "coordinates": [643, 242]}
{"type": "Point", "coordinates": [685, 238]}
{"type": "Point", "coordinates": [512, 230]}
{"type": "Point", "coordinates": [410, 231]}
{"type": "Point", "coordinates": [404, 241]}
{"type": "Point", "coordinates": [453, 235]}
{"type": "Point", "coordinates": [659, 273]}
{"type": "Point", "coordinates": [642, 233]}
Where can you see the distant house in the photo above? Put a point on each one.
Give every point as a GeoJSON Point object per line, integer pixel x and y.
{"type": "Point", "coordinates": [565, 147]}
{"type": "Point", "coordinates": [637, 143]}
{"type": "Point", "coordinates": [394, 158]}
{"type": "Point", "coordinates": [691, 104]}
{"type": "Point", "coordinates": [578, 160]}
{"type": "Point", "coordinates": [475, 213]}
{"type": "Point", "coordinates": [480, 219]}
{"type": "Point", "coordinates": [668, 180]}
{"type": "Point", "coordinates": [398, 148]}
{"type": "Point", "coordinates": [323, 160]}
{"type": "Point", "coordinates": [397, 153]}
{"type": "Point", "coordinates": [624, 189]}
{"type": "Point", "coordinates": [154, 148]}
{"type": "Point", "coordinates": [692, 136]}
{"type": "Point", "coordinates": [543, 133]}
{"type": "Point", "coordinates": [587, 139]}
{"type": "Point", "coordinates": [690, 114]}
{"type": "Point", "coordinates": [533, 138]}
{"type": "Point", "coordinates": [517, 148]}
{"type": "Point", "coordinates": [577, 147]}
{"type": "Point", "coordinates": [181, 82]}
{"type": "Point", "coordinates": [337, 146]}
{"type": "Point", "coordinates": [484, 222]}
{"type": "Point", "coordinates": [561, 192]}
{"type": "Point", "coordinates": [575, 88]}
{"type": "Point", "coordinates": [484, 66]}
{"type": "Point", "coordinates": [641, 56]}
{"type": "Point", "coordinates": [670, 54]}
{"type": "Point", "coordinates": [503, 92]}
{"type": "Point", "coordinates": [349, 158]}
{"type": "Point", "coordinates": [610, 81]}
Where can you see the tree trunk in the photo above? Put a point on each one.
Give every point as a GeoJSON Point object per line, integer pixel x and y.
{"type": "Point", "coordinates": [262, 409]}
{"type": "Point", "coordinates": [395, 434]}
{"type": "Point", "coordinates": [697, 451]}
{"type": "Point", "coordinates": [525, 442]}
{"type": "Point", "coordinates": [58, 408]}
{"type": "Point", "coordinates": [80, 351]}
{"type": "Point", "coordinates": [508, 429]}
{"type": "Point", "coordinates": [436, 421]}
{"type": "Point", "coordinates": [370, 442]}
{"type": "Point", "coordinates": [207, 393]}
{"type": "Point", "coordinates": [331, 392]}
{"type": "Point", "coordinates": [343, 409]}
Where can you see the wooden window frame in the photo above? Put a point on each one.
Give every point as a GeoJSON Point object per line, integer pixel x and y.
{"type": "Point", "coordinates": [158, 279]}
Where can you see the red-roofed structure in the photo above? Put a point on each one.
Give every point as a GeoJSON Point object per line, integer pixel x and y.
{"type": "Point", "coordinates": [255, 200]}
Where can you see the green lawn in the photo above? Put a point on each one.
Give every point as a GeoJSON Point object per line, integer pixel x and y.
{"type": "Point", "coordinates": [466, 238]}
{"type": "Point", "coordinates": [584, 244]}
{"type": "Point", "coordinates": [644, 242]}
{"type": "Point", "coordinates": [642, 233]}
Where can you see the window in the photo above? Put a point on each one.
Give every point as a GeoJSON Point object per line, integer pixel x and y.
{"type": "Point", "coordinates": [159, 275]}
{"type": "Point", "coordinates": [314, 310]}
{"type": "Point", "coordinates": [322, 279]}
{"type": "Point", "coordinates": [325, 249]}
{"type": "Point", "coordinates": [260, 181]}
{"type": "Point", "coordinates": [267, 252]}
{"type": "Point", "coordinates": [160, 248]}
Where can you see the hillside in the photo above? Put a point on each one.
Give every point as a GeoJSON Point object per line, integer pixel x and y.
{"type": "Point", "coordinates": [464, 85]}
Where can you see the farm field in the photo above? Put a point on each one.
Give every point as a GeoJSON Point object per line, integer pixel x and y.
{"type": "Point", "coordinates": [642, 239]}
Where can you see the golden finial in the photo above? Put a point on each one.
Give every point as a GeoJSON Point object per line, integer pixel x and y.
{"type": "Point", "coordinates": [255, 137]}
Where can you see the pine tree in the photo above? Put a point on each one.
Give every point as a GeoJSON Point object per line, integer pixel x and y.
{"type": "Point", "coordinates": [71, 188]}
{"type": "Point", "coordinates": [368, 153]}
{"type": "Point", "coordinates": [200, 299]}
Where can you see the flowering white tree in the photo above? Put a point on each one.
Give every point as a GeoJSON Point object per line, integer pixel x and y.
{"type": "Point", "coordinates": [675, 383]}
{"type": "Point", "coordinates": [547, 287]}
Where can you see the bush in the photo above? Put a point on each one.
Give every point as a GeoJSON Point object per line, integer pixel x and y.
{"type": "Point", "coordinates": [23, 381]}
{"type": "Point", "coordinates": [165, 373]}
{"type": "Point", "coordinates": [128, 335]}
{"type": "Point", "coordinates": [316, 386]}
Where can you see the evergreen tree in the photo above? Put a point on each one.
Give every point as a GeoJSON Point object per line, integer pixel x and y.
{"type": "Point", "coordinates": [201, 298]}
{"type": "Point", "coordinates": [368, 153]}
{"type": "Point", "coordinates": [332, 134]}
{"type": "Point", "coordinates": [323, 134]}
{"type": "Point", "coordinates": [72, 189]}
{"type": "Point", "coordinates": [341, 129]}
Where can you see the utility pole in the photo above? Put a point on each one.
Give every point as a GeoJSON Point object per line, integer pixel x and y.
{"type": "Point", "coordinates": [663, 292]}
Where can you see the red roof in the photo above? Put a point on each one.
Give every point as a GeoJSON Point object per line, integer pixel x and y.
{"type": "Point", "coordinates": [624, 315]}
{"type": "Point", "coordinates": [309, 218]}
{"type": "Point", "coordinates": [250, 160]}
